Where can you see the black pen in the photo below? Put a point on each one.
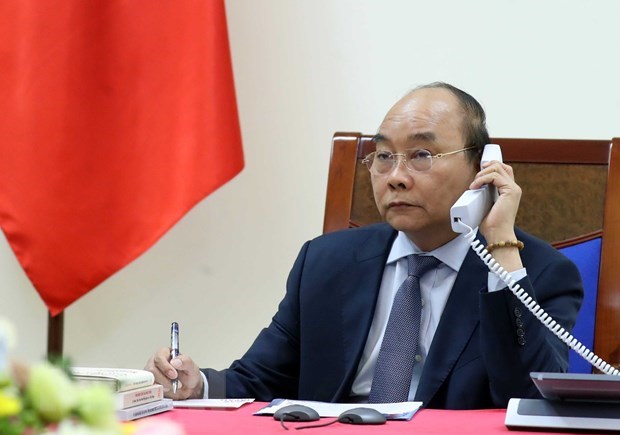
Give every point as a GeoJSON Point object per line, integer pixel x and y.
{"type": "Point", "coordinates": [174, 351]}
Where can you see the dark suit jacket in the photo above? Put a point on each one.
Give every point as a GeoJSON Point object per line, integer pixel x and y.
{"type": "Point", "coordinates": [485, 346]}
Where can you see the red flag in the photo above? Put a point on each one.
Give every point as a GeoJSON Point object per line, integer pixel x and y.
{"type": "Point", "coordinates": [116, 118]}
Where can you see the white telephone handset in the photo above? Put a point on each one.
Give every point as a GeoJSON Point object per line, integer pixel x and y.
{"type": "Point", "coordinates": [466, 214]}
{"type": "Point", "coordinates": [473, 205]}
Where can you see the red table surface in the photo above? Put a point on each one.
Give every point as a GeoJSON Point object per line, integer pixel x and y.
{"type": "Point", "coordinates": [427, 421]}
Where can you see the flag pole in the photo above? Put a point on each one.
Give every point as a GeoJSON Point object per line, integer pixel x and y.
{"type": "Point", "coordinates": [55, 327]}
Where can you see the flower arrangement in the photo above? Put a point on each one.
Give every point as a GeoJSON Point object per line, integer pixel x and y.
{"type": "Point", "coordinates": [42, 399]}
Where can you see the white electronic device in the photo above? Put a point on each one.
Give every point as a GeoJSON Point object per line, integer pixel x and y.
{"type": "Point", "coordinates": [473, 205]}
{"type": "Point", "coordinates": [572, 401]}
{"type": "Point", "coordinates": [556, 414]}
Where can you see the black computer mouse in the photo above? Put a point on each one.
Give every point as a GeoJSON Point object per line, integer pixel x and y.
{"type": "Point", "coordinates": [296, 413]}
{"type": "Point", "coordinates": [362, 416]}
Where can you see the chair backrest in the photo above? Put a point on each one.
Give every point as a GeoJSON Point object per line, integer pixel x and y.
{"type": "Point", "coordinates": [571, 198]}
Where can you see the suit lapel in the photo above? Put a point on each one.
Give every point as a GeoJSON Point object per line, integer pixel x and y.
{"type": "Point", "coordinates": [359, 299]}
{"type": "Point", "coordinates": [458, 322]}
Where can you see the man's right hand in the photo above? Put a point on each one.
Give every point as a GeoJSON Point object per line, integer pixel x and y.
{"type": "Point", "coordinates": [190, 382]}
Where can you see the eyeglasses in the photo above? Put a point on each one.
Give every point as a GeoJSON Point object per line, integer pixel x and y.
{"type": "Point", "coordinates": [420, 160]}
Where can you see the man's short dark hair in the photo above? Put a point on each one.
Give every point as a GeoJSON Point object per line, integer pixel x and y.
{"type": "Point", "coordinates": [474, 122]}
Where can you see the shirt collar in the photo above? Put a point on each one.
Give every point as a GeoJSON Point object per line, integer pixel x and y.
{"type": "Point", "coordinates": [452, 253]}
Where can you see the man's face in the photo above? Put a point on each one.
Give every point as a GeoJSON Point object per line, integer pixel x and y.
{"type": "Point", "coordinates": [418, 203]}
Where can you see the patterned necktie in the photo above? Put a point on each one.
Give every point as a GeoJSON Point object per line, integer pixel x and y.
{"type": "Point", "coordinates": [394, 369]}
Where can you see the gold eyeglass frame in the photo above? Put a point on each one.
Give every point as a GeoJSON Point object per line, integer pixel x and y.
{"type": "Point", "coordinates": [395, 162]}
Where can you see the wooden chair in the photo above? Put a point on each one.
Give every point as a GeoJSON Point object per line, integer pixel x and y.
{"type": "Point", "coordinates": [571, 198]}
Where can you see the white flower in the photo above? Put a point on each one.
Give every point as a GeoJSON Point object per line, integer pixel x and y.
{"type": "Point", "coordinates": [51, 392]}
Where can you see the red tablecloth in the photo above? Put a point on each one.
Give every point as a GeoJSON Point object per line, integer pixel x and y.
{"type": "Point", "coordinates": [428, 421]}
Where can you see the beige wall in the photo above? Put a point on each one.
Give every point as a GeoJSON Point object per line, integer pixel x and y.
{"type": "Point", "coordinates": [304, 69]}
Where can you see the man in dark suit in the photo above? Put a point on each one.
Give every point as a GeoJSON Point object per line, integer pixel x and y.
{"type": "Point", "coordinates": [475, 344]}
